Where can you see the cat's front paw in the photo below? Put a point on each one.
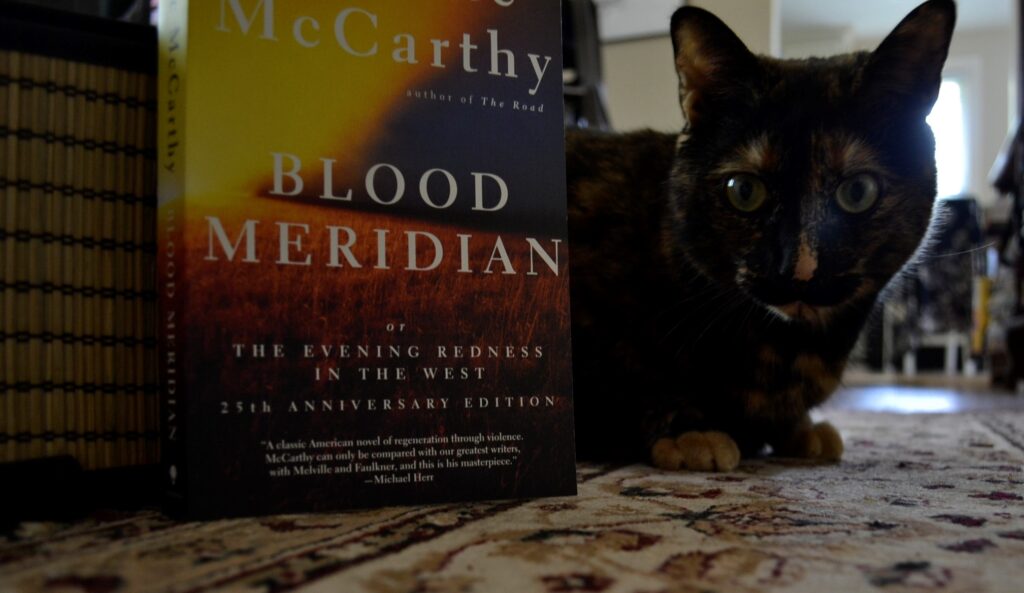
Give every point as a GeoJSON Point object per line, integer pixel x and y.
{"type": "Point", "coordinates": [820, 441]}
{"type": "Point", "coordinates": [698, 451]}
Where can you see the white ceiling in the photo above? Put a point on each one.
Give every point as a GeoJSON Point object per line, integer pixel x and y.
{"type": "Point", "coordinates": [623, 19]}
{"type": "Point", "coordinates": [874, 18]}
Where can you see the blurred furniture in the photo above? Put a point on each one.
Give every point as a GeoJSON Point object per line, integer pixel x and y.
{"type": "Point", "coordinates": [132, 11]}
{"type": "Point", "coordinates": [1007, 176]}
{"type": "Point", "coordinates": [935, 309]}
{"type": "Point", "coordinates": [585, 104]}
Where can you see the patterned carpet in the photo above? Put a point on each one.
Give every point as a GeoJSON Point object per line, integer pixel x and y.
{"type": "Point", "coordinates": [920, 503]}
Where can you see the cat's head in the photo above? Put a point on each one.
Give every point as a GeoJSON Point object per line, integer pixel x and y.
{"type": "Point", "coordinates": [807, 184]}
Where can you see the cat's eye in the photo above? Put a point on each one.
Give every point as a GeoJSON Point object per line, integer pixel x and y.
{"type": "Point", "coordinates": [858, 193]}
{"type": "Point", "coordinates": [746, 192]}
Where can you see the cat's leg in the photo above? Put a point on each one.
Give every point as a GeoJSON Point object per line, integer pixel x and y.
{"type": "Point", "coordinates": [809, 440]}
{"type": "Point", "coordinates": [676, 444]}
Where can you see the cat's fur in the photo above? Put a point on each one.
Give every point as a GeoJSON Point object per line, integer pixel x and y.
{"type": "Point", "coordinates": [702, 332]}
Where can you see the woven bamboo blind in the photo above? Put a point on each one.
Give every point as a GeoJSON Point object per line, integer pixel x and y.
{"type": "Point", "coordinates": [77, 257]}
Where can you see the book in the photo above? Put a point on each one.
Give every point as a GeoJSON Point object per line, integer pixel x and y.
{"type": "Point", "coordinates": [363, 261]}
{"type": "Point", "coordinates": [78, 239]}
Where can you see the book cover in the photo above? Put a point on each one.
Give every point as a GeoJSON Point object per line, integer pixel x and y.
{"type": "Point", "coordinates": [363, 265]}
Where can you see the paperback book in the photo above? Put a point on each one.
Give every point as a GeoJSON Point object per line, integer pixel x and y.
{"type": "Point", "coordinates": [363, 268]}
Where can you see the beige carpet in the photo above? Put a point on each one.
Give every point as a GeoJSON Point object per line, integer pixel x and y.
{"type": "Point", "coordinates": [920, 503]}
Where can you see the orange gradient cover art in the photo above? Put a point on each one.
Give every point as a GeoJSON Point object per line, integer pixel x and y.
{"type": "Point", "coordinates": [363, 258]}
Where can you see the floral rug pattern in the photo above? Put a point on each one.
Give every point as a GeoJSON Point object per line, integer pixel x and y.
{"type": "Point", "coordinates": [919, 503]}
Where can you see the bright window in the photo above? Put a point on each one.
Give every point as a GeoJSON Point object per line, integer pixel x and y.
{"type": "Point", "coordinates": [947, 122]}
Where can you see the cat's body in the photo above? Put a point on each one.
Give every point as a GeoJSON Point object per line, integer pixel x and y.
{"type": "Point", "coordinates": [721, 277]}
{"type": "Point", "coordinates": [659, 343]}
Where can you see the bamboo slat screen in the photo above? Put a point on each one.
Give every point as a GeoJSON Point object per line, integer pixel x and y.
{"type": "Point", "coordinates": [77, 239]}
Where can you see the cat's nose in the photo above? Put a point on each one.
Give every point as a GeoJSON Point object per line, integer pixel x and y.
{"type": "Point", "coordinates": [797, 262]}
{"type": "Point", "coordinates": [806, 261]}
{"type": "Point", "coordinates": [785, 264]}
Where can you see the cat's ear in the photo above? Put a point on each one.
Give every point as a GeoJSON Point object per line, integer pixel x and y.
{"type": "Point", "coordinates": [907, 66]}
{"type": "Point", "coordinates": [712, 62]}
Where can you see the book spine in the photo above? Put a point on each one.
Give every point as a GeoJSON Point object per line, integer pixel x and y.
{"type": "Point", "coordinates": [171, 100]}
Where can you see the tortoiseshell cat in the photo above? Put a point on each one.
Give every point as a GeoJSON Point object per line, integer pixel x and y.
{"type": "Point", "coordinates": [720, 278]}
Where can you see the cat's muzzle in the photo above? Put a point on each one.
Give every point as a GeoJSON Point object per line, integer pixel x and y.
{"type": "Point", "coordinates": [809, 301]}
{"type": "Point", "coordinates": [817, 292]}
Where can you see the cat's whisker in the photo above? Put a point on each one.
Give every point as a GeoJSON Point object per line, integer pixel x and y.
{"type": "Point", "coordinates": [708, 296]}
{"type": "Point", "coordinates": [690, 297]}
{"type": "Point", "coordinates": [751, 307]}
{"type": "Point", "coordinates": [737, 299]}
{"type": "Point", "coordinates": [721, 292]}
{"type": "Point", "coordinates": [705, 288]}
{"type": "Point", "coordinates": [956, 253]}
